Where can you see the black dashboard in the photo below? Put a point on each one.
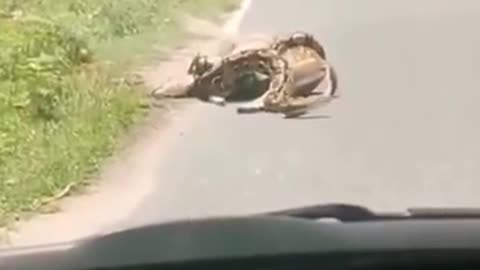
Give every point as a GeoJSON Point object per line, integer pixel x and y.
{"type": "Point", "coordinates": [267, 241]}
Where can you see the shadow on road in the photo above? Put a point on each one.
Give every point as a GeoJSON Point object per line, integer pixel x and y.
{"type": "Point", "coordinates": [311, 117]}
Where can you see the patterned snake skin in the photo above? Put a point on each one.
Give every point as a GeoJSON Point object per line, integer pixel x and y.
{"type": "Point", "coordinates": [279, 78]}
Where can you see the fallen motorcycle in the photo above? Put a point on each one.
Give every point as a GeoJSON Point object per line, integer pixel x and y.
{"type": "Point", "coordinates": [280, 77]}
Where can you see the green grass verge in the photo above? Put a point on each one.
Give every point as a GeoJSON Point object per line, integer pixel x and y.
{"type": "Point", "coordinates": [61, 112]}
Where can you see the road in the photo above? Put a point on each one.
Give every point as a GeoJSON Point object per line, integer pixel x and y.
{"type": "Point", "coordinates": [404, 133]}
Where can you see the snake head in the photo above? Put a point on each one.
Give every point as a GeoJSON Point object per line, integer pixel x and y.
{"type": "Point", "coordinates": [200, 65]}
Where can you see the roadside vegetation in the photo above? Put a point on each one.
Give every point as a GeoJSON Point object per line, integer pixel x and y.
{"type": "Point", "coordinates": [62, 104]}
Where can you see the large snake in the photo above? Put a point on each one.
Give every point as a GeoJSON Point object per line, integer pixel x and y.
{"type": "Point", "coordinates": [307, 68]}
{"type": "Point", "coordinates": [287, 73]}
{"type": "Point", "coordinates": [221, 78]}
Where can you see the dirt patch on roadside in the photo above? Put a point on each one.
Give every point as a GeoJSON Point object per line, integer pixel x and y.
{"type": "Point", "coordinates": [128, 176]}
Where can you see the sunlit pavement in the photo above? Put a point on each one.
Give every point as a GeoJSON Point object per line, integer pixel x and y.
{"type": "Point", "coordinates": [404, 132]}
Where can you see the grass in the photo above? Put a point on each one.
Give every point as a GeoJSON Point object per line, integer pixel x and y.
{"type": "Point", "coordinates": [61, 111]}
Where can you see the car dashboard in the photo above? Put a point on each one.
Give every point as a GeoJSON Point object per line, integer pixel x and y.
{"type": "Point", "coordinates": [293, 239]}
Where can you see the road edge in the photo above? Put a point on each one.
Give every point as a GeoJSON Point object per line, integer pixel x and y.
{"type": "Point", "coordinates": [105, 204]}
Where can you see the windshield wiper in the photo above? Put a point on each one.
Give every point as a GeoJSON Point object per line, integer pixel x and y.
{"type": "Point", "coordinates": [355, 213]}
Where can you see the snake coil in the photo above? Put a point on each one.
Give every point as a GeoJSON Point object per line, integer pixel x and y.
{"type": "Point", "coordinates": [219, 77]}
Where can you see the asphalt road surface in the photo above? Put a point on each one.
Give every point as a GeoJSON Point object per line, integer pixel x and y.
{"type": "Point", "coordinates": [404, 133]}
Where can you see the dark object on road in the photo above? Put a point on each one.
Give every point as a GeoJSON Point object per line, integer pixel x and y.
{"type": "Point", "coordinates": [289, 239]}
{"type": "Point", "coordinates": [281, 77]}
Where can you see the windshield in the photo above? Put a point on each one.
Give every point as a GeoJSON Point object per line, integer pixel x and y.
{"type": "Point", "coordinates": [90, 144]}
